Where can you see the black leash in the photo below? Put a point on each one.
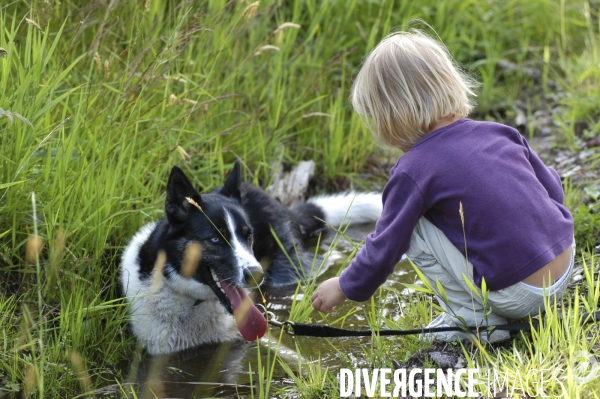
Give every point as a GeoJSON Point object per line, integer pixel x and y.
{"type": "Point", "coordinates": [316, 330]}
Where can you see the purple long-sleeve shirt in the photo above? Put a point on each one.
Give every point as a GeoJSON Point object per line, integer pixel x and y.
{"type": "Point", "coordinates": [514, 218]}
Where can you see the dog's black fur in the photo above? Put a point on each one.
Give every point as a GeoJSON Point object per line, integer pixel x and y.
{"type": "Point", "coordinates": [234, 228]}
{"type": "Point", "coordinates": [276, 235]}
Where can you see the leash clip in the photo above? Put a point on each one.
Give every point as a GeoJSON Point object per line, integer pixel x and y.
{"type": "Point", "coordinates": [287, 326]}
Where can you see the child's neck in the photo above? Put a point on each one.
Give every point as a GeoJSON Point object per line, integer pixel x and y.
{"type": "Point", "coordinates": [445, 121]}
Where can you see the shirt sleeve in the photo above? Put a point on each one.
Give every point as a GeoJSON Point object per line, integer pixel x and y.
{"type": "Point", "coordinates": [403, 205]}
{"type": "Point", "coordinates": [547, 176]}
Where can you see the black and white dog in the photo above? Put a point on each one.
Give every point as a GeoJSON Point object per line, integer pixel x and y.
{"type": "Point", "coordinates": [186, 275]}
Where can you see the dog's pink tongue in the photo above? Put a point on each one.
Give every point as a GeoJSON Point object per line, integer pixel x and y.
{"type": "Point", "coordinates": [250, 321]}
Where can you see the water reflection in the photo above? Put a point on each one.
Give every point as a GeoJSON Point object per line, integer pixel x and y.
{"type": "Point", "coordinates": [223, 371]}
{"type": "Point", "coordinates": [205, 371]}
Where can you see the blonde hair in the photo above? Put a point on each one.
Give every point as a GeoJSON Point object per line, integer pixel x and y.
{"type": "Point", "coordinates": [407, 83]}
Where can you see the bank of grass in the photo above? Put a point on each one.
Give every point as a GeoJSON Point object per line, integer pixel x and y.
{"type": "Point", "coordinates": [98, 100]}
{"type": "Point", "coordinates": [558, 358]}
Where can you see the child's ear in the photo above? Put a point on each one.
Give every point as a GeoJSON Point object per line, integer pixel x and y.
{"type": "Point", "coordinates": [231, 188]}
{"type": "Point", "coordinates": [179, 189]}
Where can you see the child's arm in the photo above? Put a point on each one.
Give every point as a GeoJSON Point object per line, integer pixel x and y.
{"type": "Point", "coordinates": [403, 205]}
{"type": "Point", "coordinates": [328, 295]}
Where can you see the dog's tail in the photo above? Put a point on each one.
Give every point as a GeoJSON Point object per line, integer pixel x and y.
{"type": "Point", "coordinates": [350, 207]}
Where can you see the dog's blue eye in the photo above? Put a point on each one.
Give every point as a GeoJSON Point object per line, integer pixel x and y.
{"type": "Point", "coordinates": [215, 239]}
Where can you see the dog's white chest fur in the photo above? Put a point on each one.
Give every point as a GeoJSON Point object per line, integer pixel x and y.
{"type": "Point", "coordinates": [162, 318]}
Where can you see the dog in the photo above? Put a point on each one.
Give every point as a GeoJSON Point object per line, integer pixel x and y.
{"type": "Point", "coordinates": [187, 274]}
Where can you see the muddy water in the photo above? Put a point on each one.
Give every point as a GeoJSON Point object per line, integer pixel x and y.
{"type": "Point", "coordinates": [223, 371]}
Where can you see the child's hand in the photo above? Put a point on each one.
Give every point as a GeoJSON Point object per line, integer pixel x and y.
{"type": "Point", "coordinates": [328, 295]}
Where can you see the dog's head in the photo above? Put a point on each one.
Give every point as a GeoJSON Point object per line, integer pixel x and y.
{"type": "Point", "coordinates": [210, 244]}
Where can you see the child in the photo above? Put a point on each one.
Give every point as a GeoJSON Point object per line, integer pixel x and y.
{"type": "Point", "coordinates": [466, 200]}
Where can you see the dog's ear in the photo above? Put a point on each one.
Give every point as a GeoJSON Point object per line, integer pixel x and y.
{"type": "Point", "coordinates": [179, 189]}
{"type": "Point", "coordinates": [231, 188]}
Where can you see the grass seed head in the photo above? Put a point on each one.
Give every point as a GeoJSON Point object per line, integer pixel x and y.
{"type": "Point", "coordinates": [80, 369]}
{"type": "Point", "coordinates": [57, 255]}
{"type": "Point", "coordinates": [279, 31]}
{"type": "Point", "coordinates": [241, 312]}
{"type": "Point", "coordinates": [157, 276]}
{"type": "Point", "coordinates": [98, 61]}
{"type": "Point", "coordinates": [286, 25]}
{"type": "Point", "coordinates": [30, 381]}
{"type": "Point", "coordinates": [34, 247]}
{"type": "Point", "coordinates": [191, 259]}
{"type": "Point", "coordinates": [250, 10]}
{"type": "Point", "coordinates": [34, 24]}
{"type": "Point", "coordinates": [194, 203]}
{"type": "Point", "coordinates": [265, 262]}
{"type": "Point", "coordinates": [183, 153]}
{"type": "Point", "coordinates": [56, 258]}
{"type": "Point", "coordinates": [268, 47]}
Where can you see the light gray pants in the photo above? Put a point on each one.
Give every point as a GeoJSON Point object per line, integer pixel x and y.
{"type": "Point", "coordinates": [433, 253]}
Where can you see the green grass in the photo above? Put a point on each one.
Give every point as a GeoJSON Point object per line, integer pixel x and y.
{"type": "Point", "coordinates": [553, 346]}
{"type": "Point", "coordinates": [98, 100]}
